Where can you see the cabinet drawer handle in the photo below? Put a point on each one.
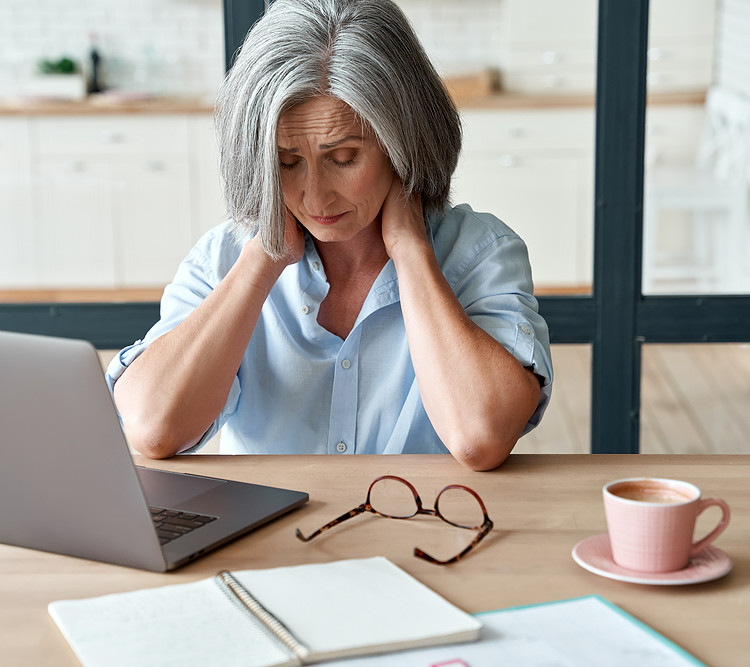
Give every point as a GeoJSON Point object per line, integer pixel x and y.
{"type": "Point", "coordinates": [507, 160]}
{"type": "Point", "coordinates": [551, 57]}
{"type": "Point", "coordinates": [156, 165]}
{"type": "Point", "coordinates": [112, 137]}
{"type": "Point", "coordinates": [74, 167]}
{"type": "Point", "coordinates": [551, 81]}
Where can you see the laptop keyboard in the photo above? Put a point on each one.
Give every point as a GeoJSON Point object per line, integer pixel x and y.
{"type": "Point", "coordinates": [171, 524]}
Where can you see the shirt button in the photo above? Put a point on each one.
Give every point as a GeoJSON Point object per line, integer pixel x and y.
{"type": "Point", "coordinates": [525, 329]}
{"type": "Point", "coordinates": [346, 363]}
{"type": "Point", "coordinates": [315, 266]}
{"type": "Point", "coordinates": [305, 310]}
{"type": "Point", "coordinates": [341, 447]}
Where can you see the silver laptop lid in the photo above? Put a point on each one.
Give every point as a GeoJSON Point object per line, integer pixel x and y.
{"type": "Point", "coordinates": [66, 470]}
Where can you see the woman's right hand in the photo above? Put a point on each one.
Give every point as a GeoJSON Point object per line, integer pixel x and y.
{"type": "Point", "coordinates": [294, 247]}
{"type": "Point", "coordinates": [253, 255]}
{"type": "Point", "coordinates": [294, 239]}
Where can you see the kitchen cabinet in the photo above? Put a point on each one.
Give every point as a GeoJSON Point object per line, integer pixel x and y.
{"type": "Point", "coordinates": [551, 46]}
{"type": "Point", "coordinates": [152, 219]}
{"type": "Point", "coordinates": [104, 200]}
{"type": "Point", "coordinates": [114, 199]}
{"type": "Point", "coordinates": [681, 45]}
{"type": "Point", "coordinates": [17, 257]}
{"type": "Point", "coordinates": [533, 169]}
{"type": "Point", "coordinates": [74, 223]}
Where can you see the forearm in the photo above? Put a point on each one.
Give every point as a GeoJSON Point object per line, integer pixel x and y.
{"type": "Point", "coordinates": [171, 394]}
{"type": "Point", "coordinates": [476, 394]}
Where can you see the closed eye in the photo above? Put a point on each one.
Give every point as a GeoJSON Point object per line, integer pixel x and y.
{"type": "Point", "coordinates": [343, 156]}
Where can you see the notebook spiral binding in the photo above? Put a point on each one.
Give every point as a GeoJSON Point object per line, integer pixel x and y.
{"type": "Point", "coordinates": [242, 598]}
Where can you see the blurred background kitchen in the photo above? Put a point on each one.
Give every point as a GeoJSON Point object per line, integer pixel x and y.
{"type": "Point", "coordinates": [106, 181]}
{"type": "Point", "coordinates": [164, 47]}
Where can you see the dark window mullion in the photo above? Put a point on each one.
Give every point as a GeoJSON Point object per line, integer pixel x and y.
{"type": "Point", "coordinates": [618, 191]}
{"type": "Point", "coordinates": [694, 319]}
{"type": "Point", "coordinates": [239, 15]}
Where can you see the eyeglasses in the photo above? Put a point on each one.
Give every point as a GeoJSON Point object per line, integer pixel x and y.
{"type": "Point", "coordinates": [395, 498]}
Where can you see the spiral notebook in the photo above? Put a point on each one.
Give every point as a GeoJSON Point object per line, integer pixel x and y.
{"type": "Point", "coordinates": [264, 618]}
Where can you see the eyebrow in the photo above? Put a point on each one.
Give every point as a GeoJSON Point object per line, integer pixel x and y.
{"type": "Point", "coordinates": [325, 147]}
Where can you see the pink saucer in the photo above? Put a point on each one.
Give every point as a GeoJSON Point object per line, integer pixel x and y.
{"type": "Point", "coordinates": [595, 555]}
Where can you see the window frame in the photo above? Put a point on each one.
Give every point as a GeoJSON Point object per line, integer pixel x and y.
{"type": "Point", "coordinates": [616, 319]}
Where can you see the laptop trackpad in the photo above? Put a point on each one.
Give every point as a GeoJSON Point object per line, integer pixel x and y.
{"type": "Point", "coordinates": [170, 489]}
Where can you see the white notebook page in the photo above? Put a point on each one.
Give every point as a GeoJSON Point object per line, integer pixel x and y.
{"type": "Point", "coordinates": [191, 624]}
{"type": "Point", "coordinates": [583, 632]}
{"type": "Point", "coordinates": [357, 603]}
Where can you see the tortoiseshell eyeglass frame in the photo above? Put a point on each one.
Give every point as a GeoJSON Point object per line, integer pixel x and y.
{"type": "Point", "coordinates": [483, 529]}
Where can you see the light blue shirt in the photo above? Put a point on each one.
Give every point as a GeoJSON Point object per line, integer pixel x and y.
{"type": "Point", "coordinates": [302, 390]}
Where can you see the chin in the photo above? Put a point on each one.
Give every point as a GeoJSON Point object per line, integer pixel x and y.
{"type": "Point", "coordinates": [330, 235]}
{"type": "Point", "coordinates": [334, 233]}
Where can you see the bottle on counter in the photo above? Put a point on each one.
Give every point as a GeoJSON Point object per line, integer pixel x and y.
{"type": "Point", "coordinates": [96, 82]}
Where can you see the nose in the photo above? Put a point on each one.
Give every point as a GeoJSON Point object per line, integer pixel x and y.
{"type": "Point", "coordinates": [318, 192]}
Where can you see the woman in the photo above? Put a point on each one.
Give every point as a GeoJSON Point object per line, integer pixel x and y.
{"type": "Point", "coordinates": [346, 308]}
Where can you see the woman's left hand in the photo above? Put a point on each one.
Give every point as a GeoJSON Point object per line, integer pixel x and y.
{"type": "Point", "coordinates": [402, 218]}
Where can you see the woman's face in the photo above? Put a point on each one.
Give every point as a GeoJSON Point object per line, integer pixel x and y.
{"type": "Point", "coordinates": [334, 174]}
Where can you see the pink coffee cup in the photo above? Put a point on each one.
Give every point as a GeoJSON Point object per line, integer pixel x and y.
{"type": "Point", "coordinates": [651, 522]}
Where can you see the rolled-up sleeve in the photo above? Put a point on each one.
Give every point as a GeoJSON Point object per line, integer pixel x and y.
{"type": "Point", "coordinates": [491, 277]}
{"type": "Point", "coordinates": [194, 280]}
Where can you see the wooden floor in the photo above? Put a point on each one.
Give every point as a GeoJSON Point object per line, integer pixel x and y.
{"type": "Point", "coordinates": [695, 400]}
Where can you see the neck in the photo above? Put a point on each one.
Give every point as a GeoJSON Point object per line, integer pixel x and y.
{"type": "Point", "coordinates": [362, 255]}
{"type": "Point", "coordinates": [351, 268]}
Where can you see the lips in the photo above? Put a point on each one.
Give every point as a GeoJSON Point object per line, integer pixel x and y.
{"type": "Point", "coordinates": [328, 219]}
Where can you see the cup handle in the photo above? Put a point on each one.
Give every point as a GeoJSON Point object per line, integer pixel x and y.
{"type": "Point", "coordinates": [718, 530]}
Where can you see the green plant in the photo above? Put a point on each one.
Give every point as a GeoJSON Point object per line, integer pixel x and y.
{"type": "Point", "coordinates": [64, 65]}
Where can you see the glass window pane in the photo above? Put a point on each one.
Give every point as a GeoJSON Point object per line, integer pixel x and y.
{"type": "Point", "coordinates": [697, 185]}
{"type": "Point", "coordinates": [523, 73]}
{"type": "Point", "coordinates": [566, 426]}
{"type": "Point", "coordinates": [103, 194]}
{"type": "Point", "coordinates": [694, 399]}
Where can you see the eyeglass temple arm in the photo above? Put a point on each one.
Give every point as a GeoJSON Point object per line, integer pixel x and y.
{"type": "Point", "coordinates": [486, 528]}
{"type": "Point", "coordinates": [331, 524]}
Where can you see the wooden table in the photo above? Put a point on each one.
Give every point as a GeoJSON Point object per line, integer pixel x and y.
{"type": "Point", "coordinates": [542, 505]}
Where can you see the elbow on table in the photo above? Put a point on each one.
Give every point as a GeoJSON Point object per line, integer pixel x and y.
{"type": "Point", "coordinates": [481, 451]}
{"type": "Point", "coordinates": [152, 442]}
{"type": "Point", "coordinates": [485, 441]}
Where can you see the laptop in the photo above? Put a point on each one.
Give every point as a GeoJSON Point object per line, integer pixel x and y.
{"type": "Point", "coordinates": [68, 483]}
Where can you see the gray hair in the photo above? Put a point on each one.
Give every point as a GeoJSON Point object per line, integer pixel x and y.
{"type": "Point", "coordinates": [363, 52]}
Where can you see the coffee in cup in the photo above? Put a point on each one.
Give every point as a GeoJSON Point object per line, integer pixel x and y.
{"type": "Point", "coordinates": [651, 522]}
{"type": "Point", "coordinates": [651, 491]}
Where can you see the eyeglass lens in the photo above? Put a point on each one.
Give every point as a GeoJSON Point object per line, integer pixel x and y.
{"type": "Point", "coordinates": [460, 507]}
{"type": "Point", "coordinates": [455, 504]}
